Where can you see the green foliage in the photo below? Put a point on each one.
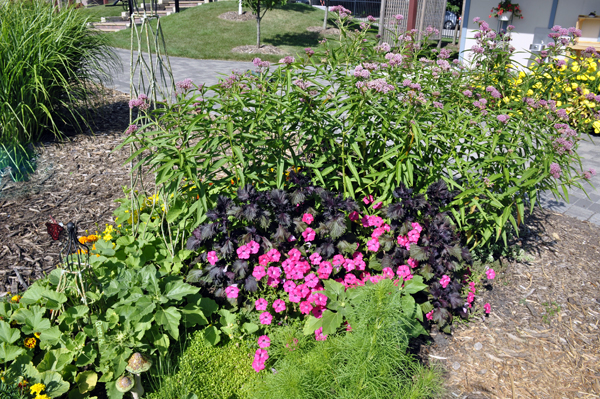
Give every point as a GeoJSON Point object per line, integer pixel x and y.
{"type": "Point", "coordinates": [10, 391]}
{"type": "Point", "coordinates": [16, 162]}
{"type": "Point", "coordinates": [130, 306]}
{"type": "Point", "coordinates": [47, 62]}
{"type": "Point", "coordinates": [370, 361]}
{"type": "Point", "coordinates": [209, 371]}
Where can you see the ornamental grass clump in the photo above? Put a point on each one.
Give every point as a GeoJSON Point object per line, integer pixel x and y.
{"type": "Point", "coordinates": [50, 64]}
{"type": "Point", "coordinates": [361, 117]}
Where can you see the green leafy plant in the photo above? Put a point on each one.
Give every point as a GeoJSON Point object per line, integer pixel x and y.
{"type": "Point", "coordinates": [48, 62]}
{"type": "Point", "coordinates": [552, 309]}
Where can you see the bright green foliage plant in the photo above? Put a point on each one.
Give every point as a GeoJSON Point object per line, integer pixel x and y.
{"type": "Point", "coordinates": [48, 61]}
{"type": "Point", "coordinates": [362, 118]}
{"type": "Point", "coordinates": [369, 360]}
{"type": "Point", "coordinates": [209, 371]}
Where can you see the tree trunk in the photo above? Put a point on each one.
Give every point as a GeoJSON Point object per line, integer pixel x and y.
{"type": "Point", "coordinates": [240, 8]}
{"type": "Point", "coordinates": [258, 25]}
{"type": "Point", "coordinates": [326, 11]}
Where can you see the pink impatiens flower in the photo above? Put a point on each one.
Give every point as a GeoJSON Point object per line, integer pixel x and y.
{"type": "Point", "coordinates": [274, 255]}
{"type": "Point", "coordinates": [259, 272]}
{"type": "Point", "coordinates": [311, 280]}
{"type": "Point", "coordinates": [265, 318]}
{"type": "Point", "coordinates": [273, 282]}
{"type": "Point", "coordinates": [444, 281]}
{"type": "Point", "coordinates": [305, 307]}
{"type": "Point", "coordinates": [319, 336]}
{"type": "Point", "coordinates": [373, 245]}
{"type": "Point", "coordinates": [308, 234]}
{"type": "Point", "coordinates": [338, 260]}
{"type": "Point", "coordinates": [429, 315]}
{"type": "Point", "coordinates": [325, 270]}
{"type": "Point", "coordinates": [368, 200]}
{"type": "Point", "coordinates": [295, 296]}
{"type": "Point", "coordinates": [412, 263]}
{"type": "Point", "coordinates": [388, 272]}
{"type": "Point", "coordinates": [289, 286]}
{"type": "Point", "coordinates": [404, 272]}
{"type": "Point", "coordinates": [294, 254]}
{"type": "Point", "coordinates": [232, 292]}
{"type": "Point", "coordinates": [243, 252]}
{"type": "Point", "coordinates": [377, 205]}
{"type": "Point", "coordinates": [490, 274]}
{"type": "Point", "coordinates": [264, 342]}
{"type": "Point", "coordinates": [278, 305]}
{"type": "Point", "coordinates": [488, 308]}
{"type": "Point", "coordinates": [315, 258]}
{"type": "Point", "coordinates": [253, 247]}
{"type": "Point", "coordinates": [211, 257]}
{"type": "Point", "coordinates": [264, 260]}
{"type": "Point", "coordinates": [274, 272]}
{"type": "Point", "coordinates": [354, 216]}
{"type": "Point", "coordinates": [307, 218]}
{"type": "Point", "coordinates": [377, 232]}
{"type": "Point", "coordinates": [261, 304]}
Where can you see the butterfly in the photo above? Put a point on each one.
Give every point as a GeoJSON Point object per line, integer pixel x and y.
{"type": "Point", "coordinates": [54, 229]}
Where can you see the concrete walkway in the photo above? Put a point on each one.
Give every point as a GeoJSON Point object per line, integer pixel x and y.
{"type": "Point", "coordinates": [209, 72]}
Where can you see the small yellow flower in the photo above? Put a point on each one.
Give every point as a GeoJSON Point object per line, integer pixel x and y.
{"type": "Point", "coordinates": [44, 396]}
{"type": "Point", "coordinates": [37, 335]}
{"type": "Point", "coordinates": [37, 388]}
{"type": "Point", "coordinates": [15, 298]}
{"type": "Point", "coordinates": [83, 240]}
{"type": "Point", "coordinates": [107, 237]}
{"type": "Point", "coordinates": [30, 343]}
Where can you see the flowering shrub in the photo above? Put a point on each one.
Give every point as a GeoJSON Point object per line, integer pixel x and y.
{"type": "Point", "coordinates": [277, 251]}
{"type": "Point", "coordinates": [361, 117]}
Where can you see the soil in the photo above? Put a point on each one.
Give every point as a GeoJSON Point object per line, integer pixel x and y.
{"type": "Point", "coordinates": [542, 338]}
{"type": "Point", "coordinates": [234, 16]}
{"type": "Point", "coordinates": [265, 49]}
{"type": "Point", "coordinates": [319, 29]}
{"type": "Point", "coordinates": [77, 180]}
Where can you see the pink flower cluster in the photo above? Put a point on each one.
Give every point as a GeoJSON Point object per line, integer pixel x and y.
{"type": "Point", "coordinates": [260, 63]}
{"type": "Point", "coordinates": [412, 237]}
{"type": "Point", "coordinates": [139, 102]}
{"type": "Point", "coordinates": [260, 357]}
{"type": "Point", "coordinates": [245, 251]}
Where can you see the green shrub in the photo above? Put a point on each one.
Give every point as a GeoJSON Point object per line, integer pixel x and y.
{"type": "Point", "coordinates": [209, 371]}
{"type": "Point", "coordinates": [48, 60]}
{"type": "Point", "coordinates": [370, 361]}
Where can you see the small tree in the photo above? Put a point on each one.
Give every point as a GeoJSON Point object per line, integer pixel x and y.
{"type": "Point", "coordinates": [258, 6]}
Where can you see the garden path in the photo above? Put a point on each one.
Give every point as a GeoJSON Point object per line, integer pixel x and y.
{"type": "Point", "coordinates": [209, 72]}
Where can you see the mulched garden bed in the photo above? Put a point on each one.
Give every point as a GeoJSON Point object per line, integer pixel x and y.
{"type": "Point", "coordinates": [319, 29]}
{"type": "Point", "coordinates": [542, 338]}
{"type": "Point", "coordinates": [265, 49]}
{"type": "Point", "coordinates": [234, 16]}
{"type": "Point", "coordinates": [75, 180]}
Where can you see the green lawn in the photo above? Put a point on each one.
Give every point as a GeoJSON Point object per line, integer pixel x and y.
{"type": "Point", "coordinates": [95, 12]}
{"type": "Point", "coordinates": [199, 33]}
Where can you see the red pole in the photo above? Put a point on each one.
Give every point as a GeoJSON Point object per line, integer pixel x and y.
{"type": "Point", "coordinates": [413, 6]}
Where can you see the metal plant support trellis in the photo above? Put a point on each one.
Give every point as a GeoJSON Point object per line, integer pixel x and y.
{"type": "Point", "coordinates": [149, 74]}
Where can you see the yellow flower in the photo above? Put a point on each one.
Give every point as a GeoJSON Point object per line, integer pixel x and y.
{"type": "Point", "coordinates": [37, 388]}
{"type": "Point", "coordinates": [92, 238]}
{"type": "Point", "coordinates": [44, 396]}
{"type": "Point", "coordinates": [596, 126]}
{"type": "Point", "coordinates": [83, 240]}
{"type": "Point", "coordinates": [15, 298]}
{"type": "Point", "coordinates": [530, 92]}
{"type": "Point", "coordinates": [107, 237]}
{"type": "Point", "coordinates": [37, 335]}
{"type": "Point", "coordinates": [30, 343]}
{"type": "Point", "coordinates": [558, 103]}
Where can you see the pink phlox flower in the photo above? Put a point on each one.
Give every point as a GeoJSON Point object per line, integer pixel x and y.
{"type": "Point", "coordinates": [265, 318]}
{"type": "Point", "coordinates": [278, 305]}
{"type": "Point", "coordinates": [349, 265]}
{"type": "Point", "coordinates": [388, 272]}
{"type": "Point", "coordinates": [409, 277]}
{"type": "Point", "coordinates": [377, 205]}
{"type": "Point", "coordinates": [308, 234]}
{"type": "Point", "coordinates": [243, 252]}
{"type": "Point", "coordinates": [294, 296]}
{"type": "Point", "coordinates": [377, 232]}
{"type": "Point", "coordinates": [338, 260]}
{"type": "Point", "coordinates": [261, 304]}
{"type": "Point", "coordinates": [305, 307]}
{"type": "Point", "coordinates": [261, 355]}
{"type": "Point", "coordinates": [289, 286]}
{"type": "Point", "coordinates": [319, 336]}
{"type": "Point", "coordinates": [253, 247]}
{"type": "Point", "coordinates": [315, 258]}
{"type": "Point", "coordinates": [274, 255]}
{"type": "Point", "coordinates": [360, 264]}
{"type": "Point", "coordinates": [258, 366]}
{"type": "Point", "coordinates": [373, 245]}
{"type": "Point", "coordinates": [412, 263]}
{"type": "Point", "coordinates": [325, 270]}
{"type": "Point", "coordinates": [350, 280]}
{"type": "Point", "coordinates": [307, 218]}
{"type": "Point", "coordinates": [259, 272]}
{"type": "Point", "coordinates": [490, 274]}
{"type": "Point", "coordinates": [212, 258]}
{"type": "Point", "coordinates": [232, 292]}
{"type": "Point", "coordinates": [417, 226]}
{"type": "Point", "coordinates": [319, 299]}
{"type": "Point", "coordinates": [302, 290]}
{"type": "Point", "coordinates": [296, 273]}
{"type": "Point", "coordinates": [470, 297]}
{"type": "Point", "coordinates": [376, 221]}
{"type": "Point", "coordinates": [488, 308]}
{"type": "Point", "coordinates": [264, 260]}
{"type": "Point", "coordinates": [403, 241]}
{"type": "Point", "coordinates": [294, 254]}
{"type": "Point", "coordinates": [413, 236]}
{"type": "Point", "coordinates": [264, 341]}
{"type": "Point", "coordinates": [444, 281]}
{"type": "Point", "coordinates": [354, 216]}
{"type": "Point", "coordinates": [404, 272]}
{"type": "Point", "coordinates": [429, 316]}
{"type": "Point", "coordinates": [273, 282]}
{"type": "Point", "coordinates": [274, 272]}
{"type": "Point", "coordinates": [317, 311]}
{"type": "Point", "coordinates": [311, 280]}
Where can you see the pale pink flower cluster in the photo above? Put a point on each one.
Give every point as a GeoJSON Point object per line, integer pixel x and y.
{"type": "Point", "coordinates": [260, 63]}
{"type": "Point", "coordinates": [343, 12]}
{"type": "Point", "coordinates": [287, 60]}
{"type": "Point", "coordinates": [360, 72]}
{"type": "Point", "coordinates": [139, 102]}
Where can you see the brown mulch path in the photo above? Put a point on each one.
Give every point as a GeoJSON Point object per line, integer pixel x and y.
{"type": "Point", "coordinates": [234, 16]}
{"type": "Point", "coordinates": [264, 49]}
{"type": "Point", "coordinates": [319, 29]}
{"type": "Point", "coordinates": [75, 180]}
{"type": "Point", "coordinates": [542, 338]}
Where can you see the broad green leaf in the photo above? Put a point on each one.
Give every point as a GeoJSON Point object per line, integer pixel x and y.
{"type": "Point", "coordinates": [7, 334]}
{"type": "Point", "coordinates": [331, 321]}
{"type": "Point", "coordinates": [86, 381]}
{"type": "Point", "coordinates": [176, 290]}
{"type": "Point", "coordinates": [9, 352]}
{"type": "Point", "coordinates": [212, 335]}
{"type": "Point", "coordinates": [414, 285]}
{"type": "Point", "coordinates": [169, 318]}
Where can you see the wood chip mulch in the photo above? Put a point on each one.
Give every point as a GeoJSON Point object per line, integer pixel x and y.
{"type": "Point", "coordinates": [76, 180]}
{"type": "Point", "coordinates": [542, 338]}
{"type": "Point", "coordinates": [265, 49]}
{"type": "Point", "coordinates": [319, 29]}
{"type": "Point", "coordinates": [235, 17]}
